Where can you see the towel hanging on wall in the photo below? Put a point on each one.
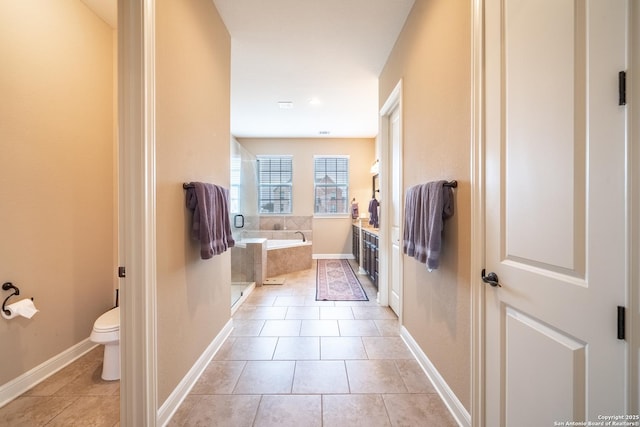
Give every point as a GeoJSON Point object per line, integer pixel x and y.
{"type": "Point", "coordinates": [211, 225]}
{"type": "Point", "coordinates": [355, 213]}
{"type": "Point", "coordinates": [426, 208]}
{"type": "Point", "coordinates": [374, 219]}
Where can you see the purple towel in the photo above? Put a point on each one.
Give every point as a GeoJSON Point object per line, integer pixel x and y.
{"type": "Point", "coordinates": [426, 208]}
{"type": "Point", "coordinates": [211, 225]}
{"type": "Point", "coordinates": [440, 208]}
{"type": "Point", "coordinates": [373, 213]}
{"type": "Point", "coordinates": [411, 219]}
{"type": "Point", "coordinates": [354, 210]}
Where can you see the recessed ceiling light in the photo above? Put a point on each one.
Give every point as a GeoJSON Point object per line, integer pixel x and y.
{"type": "Point", "coordinates": [285, 105]}
{"type": "Point", "coordinates": [314, 101]}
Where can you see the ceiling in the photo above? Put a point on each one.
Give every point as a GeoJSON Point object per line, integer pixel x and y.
{"type": "Point", "coordinates": [321, 58]}
{"type": "Point", "coordinates": [107, 10]}
{"type": "Point", "coordinates": [299, 50]}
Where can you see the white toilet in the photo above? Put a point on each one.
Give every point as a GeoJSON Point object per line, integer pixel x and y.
{"type": "Point", "coordinates": [106, 330]}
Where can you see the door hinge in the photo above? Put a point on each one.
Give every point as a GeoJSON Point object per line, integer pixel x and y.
{"type": "Point", "coordinates": [622, 88]}
{"type": "Point", "coordinates": [122, 272]}
{"type": "Point", "coordinates": [621, 321]}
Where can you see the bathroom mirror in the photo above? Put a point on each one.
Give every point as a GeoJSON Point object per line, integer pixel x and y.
{"type": "Point", "coordinates": [375, 185]}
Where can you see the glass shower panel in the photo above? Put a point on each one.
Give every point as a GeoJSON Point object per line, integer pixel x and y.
{"type": "Point", "coordinates": [244, 216]}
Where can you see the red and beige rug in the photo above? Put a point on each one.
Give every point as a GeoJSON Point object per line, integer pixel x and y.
{"type": "Point", "coordinates": [336, 281]}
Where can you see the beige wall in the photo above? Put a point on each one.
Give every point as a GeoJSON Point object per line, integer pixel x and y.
{"type": "Point", "coordinates": [192, 108]}
{"type": "Point", "coordinates": [56, 176]}
{"type": "Point", "coordinates": [330, 235]}
{"type": "Point", "coordinates": [432, 56]}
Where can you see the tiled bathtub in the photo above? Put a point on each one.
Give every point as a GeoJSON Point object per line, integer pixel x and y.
{"type": "Point", "coordinates": [271, 258]}
{"type": "Point", "coordinates": [287, 256]}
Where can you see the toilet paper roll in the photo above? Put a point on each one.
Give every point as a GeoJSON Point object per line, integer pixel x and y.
{"type": "Point", "coordinates": [24, 308]}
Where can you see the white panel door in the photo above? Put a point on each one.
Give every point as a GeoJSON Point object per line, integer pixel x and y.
{"type": "Point", "coordinates": [396, 211]}
{"type": "Point", "coordinates": [555, 210]}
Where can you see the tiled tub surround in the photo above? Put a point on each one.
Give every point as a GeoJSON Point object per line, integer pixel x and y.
{"type": "Point", "coordinates": [242, 264]}
{"type": "Point", "coordinates": [270, 262]}
{"type": "Point", "coordinates": [285, 222]}
{"type": "Point", "coordinates": [288, 259]}
{"type": "Point", "coordinates": [277, 235]}
{"type": "Point", "coordinates": [279, 227]}
{"type": "Point", "coordinates": [252, 265]}
{"type": "Point", "coordinates": [265, 258]}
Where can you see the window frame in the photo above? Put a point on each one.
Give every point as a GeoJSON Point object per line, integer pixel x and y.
{"type": "Point", "coordinates": [336, 185]}
{"type": "Point", "coordinates": [235, 184]}
{"type": "Point", "coordinates": [275, 184]}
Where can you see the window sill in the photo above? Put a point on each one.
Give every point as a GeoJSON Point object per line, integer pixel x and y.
{"type": "Point", "coordinates": [331, 216]}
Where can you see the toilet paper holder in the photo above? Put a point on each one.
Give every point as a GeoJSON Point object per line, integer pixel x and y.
{"type": "Point", "coordinates": [5, 287]}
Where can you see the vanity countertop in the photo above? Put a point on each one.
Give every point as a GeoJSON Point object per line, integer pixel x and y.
{"type": "Point", "coordinates": [366, 226]}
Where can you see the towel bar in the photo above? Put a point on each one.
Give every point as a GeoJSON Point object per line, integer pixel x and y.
{"type": "Point", "coordinates": [452, 184]}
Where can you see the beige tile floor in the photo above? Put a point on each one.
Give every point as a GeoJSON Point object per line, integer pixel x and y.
{"type": "Point", "coordinates": [290, 361]}
{"type": "Point", "coordinates": [74, 396]}
{"type": "Point", "coordinates": [295, 361]}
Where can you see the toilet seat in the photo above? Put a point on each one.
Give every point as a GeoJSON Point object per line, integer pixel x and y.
{"type": "Point", "coordinates": [108, 322]}
{"type": "Point", "coordinates": [106, 330]}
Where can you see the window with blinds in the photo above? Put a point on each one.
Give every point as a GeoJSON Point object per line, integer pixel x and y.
{"type": "Point", "coordinates": [331, 188]}
{"type": "Point", "coordinates": [275, 182]}
{"type": "Point", "coordinates": [234, 190]}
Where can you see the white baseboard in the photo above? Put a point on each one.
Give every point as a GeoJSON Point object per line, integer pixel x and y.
{"type": "Point", "coordinates": [26, 381]}
{"type": "Point", "coordinates": [333, 256]}
{"type": "Point", "coordinates": [457, 409]}
{"type": "Point", "coordinates": [175, 399]}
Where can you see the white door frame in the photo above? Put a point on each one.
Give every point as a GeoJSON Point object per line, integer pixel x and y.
{"type": "Point", "coordinates": [393, 102]}
{"type": "Point", "coordinates": [137, 230]}
{"type": "Point", "coordinates": [633, 317]}
{"type": "Point", "coordinates": [478, 402]}
{"type": "Point", "coordinates": [477, 216]}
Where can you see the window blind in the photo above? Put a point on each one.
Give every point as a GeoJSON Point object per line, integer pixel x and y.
{"type": "Point", "coordinates": [331, 178]}
{"type": "Point", "coordinates": [275, 181]}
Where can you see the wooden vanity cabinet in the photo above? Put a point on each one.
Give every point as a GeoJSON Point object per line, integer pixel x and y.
{"type": "Point", "coordinates": [355, 246]}
{"type": "Point", "coordinates": [369, 261]}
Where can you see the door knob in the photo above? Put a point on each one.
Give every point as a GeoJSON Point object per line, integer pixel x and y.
{"type": "Point", "coordinates": [491, 278]}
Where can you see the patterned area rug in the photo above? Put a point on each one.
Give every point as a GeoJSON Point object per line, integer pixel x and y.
{"type": "Point", "coordinates": [336, 281]}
